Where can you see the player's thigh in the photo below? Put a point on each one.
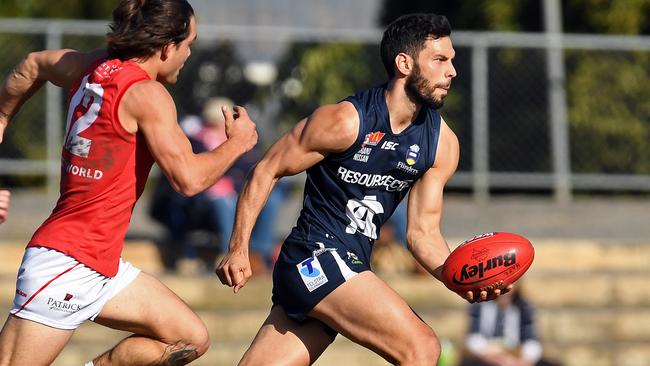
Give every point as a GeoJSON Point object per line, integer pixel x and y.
{"type": "Point", "coordinates": [147, 307]}
{"type": "Point", "coordinates": [282, 341]}
{"type": "Point", "coordinates": [20, 337]}
{"type": "Point", "coordinates": [366, 310]}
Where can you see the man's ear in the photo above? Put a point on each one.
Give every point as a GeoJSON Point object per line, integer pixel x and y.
{"type": "Point", "coordinates": [404, 64]}
{"type": "Point", "coordinates": [164, 51]}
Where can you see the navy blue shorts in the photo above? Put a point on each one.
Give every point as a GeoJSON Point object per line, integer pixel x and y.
{"type": "Point", "coordinates": [308, 270]}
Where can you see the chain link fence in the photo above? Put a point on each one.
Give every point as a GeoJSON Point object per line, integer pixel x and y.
{"type": "Point", "coordinates": [550, 112]}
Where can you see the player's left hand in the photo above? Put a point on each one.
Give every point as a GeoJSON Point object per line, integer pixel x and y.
{"type": "Point", "coordinates": [234, 270]}
{"type": "Point", "coordinates": [486, 294]}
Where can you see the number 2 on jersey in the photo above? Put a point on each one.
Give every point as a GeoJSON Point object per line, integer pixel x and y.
{"type": "Point", "coordinates": [81, 100]}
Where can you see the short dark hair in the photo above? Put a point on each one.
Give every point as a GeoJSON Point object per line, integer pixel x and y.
{"type": "Point", "coordinates": [408, 34]}
{"type": "Point", "coordinates": [141, 27]}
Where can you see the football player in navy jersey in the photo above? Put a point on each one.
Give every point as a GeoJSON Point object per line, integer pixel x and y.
{"type": "Point", "coordinates": [362, 156]}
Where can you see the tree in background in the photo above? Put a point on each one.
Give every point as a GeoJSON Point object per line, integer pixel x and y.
{"type": "Point", "coordinates": [609, 117]}
{"type": "Point", "coordinates": [64, 9]}
{"type": "Point", "coordinates": [27, 139]}
{"type": "Point", "coordinates": [314, 74]}
{"type": "Point", "coordinates": [609, 92]}
{"type": "Point", "coordinates": [609, 114]}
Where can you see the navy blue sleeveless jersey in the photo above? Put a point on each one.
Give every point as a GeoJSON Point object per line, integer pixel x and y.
{"type": "Point", "coordinates": [349, 195]}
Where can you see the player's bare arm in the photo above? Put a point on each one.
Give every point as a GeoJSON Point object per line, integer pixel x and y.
{"type": "Point", "coordinates": [60, 67]}
{"type": "Point", "coordinates": [147, 107]}
{"type": "Point", "coordinates": [331, 128]}
{"type": "Point", "coordinates": [424, 237]}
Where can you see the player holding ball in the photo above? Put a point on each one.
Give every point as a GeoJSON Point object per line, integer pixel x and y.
{"type": "Point", "coordinates": [362, 156]}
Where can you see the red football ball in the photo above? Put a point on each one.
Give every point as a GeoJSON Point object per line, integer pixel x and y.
{"type": "Point", "coordinates": [487, 261]}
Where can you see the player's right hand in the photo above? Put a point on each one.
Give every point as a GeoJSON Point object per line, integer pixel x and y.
{"type": "Point", "coordinates": [4, 205]}
{"type": "Point", "coordinates": [234, 269]}
{"type": "Point", "coordinates": [485, 294]}
{"type": "Point", "coordinates": [239, 127]}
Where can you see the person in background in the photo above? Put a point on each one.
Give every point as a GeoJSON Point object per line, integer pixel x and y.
{"type": "Point", "coordinates": [199, 227]}
{"type": "Point", "coordinates": [503, 333]}
{"type": "Point", "coordinates": [5, 198]}
{"type": "Point", "coordinates": [221, 198]}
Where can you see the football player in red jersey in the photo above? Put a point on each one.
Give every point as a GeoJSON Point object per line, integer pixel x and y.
{"type": "Point", "coordinates": [120, 120]}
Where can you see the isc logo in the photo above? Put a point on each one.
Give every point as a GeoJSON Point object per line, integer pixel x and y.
{"type": "Point", "coordinates": [389, 145]}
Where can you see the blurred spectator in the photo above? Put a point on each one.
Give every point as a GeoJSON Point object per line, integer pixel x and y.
{"type": "Point", "coordinates": [390, 255]}
{"type": "Point", "coordinates": [222, 196]}
{"type": "Point", "coordinates": [201, 226]}
{"type": "Point", "coordinates": [503, 333]}
{"type": "Point", "coordinates": [180, 216]}
{"type": "Point", "coordinates": [398, 222]}
{"type": "Point", "coordinates": [4, 205]}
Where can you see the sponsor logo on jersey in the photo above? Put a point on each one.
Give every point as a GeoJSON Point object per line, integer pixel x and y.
{"type": "Point", "coordinates": [373, 138]}
{"type": "Point", "coordinates": [106, 69]}
{"type": "Point", "coordinates": [362, 155]}
{"type": "Point", "coordinates": [404, 167]}
{"type": "Point", "coordinates": [312, 273]}
{"type": "Point", "coordinates": [79, 171]}
{"type": "Point", "coordinates": [389, 145]}
{"type": "Point", "coordinates": [388, 182]}
{"type": "Point", "coordinates": [412, 154]}
{"type": "Point", "coordinates": [354, 259]}
{"type": "Point", "coordinates": [64, 305]}
{"type": "Point", "coordinates": [307, 268]}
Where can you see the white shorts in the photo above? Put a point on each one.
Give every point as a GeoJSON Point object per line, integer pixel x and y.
{"type": "Point", "coordinates": [56, 290]}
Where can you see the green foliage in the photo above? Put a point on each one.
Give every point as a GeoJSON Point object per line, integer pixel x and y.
{"type": "Point", "coordinates": [25, 137]}
{"type": "Point", "coordinates": [613, 16]}
{"type": "Point", "coordinates": [502, 15]}
{"type": "Point", "coordinates": [329, 73]}
{"type": "Point", "coordinates": [608, 93]}
{"type": "Point", "coordinates": [64, 9]}
{"type": "Point", "coordinates": [326, 73]}
{"type": "Point", "coordinates": [609, 113]}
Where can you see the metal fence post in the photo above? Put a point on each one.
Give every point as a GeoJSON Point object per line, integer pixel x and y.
{"type": "Point", "coordinates": [53, 115]}
{"type": "Point", "coordinates": [557, 102]}
{"type": "Point", "coordinates": [480, 121]}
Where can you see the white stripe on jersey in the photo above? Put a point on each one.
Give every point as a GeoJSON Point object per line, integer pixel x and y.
{"type": "Point", "coordinates": [343, 267]}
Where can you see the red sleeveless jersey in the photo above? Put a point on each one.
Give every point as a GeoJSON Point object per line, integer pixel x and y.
{"type": "Point", "coordinates": [103, 171]}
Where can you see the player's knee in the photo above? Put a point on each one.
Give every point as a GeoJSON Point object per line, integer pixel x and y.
{"type": "Point", "coordinates": [424, 349]}
{"type": "Point", "coordinates": [193, 342]}
{"type": "Point", "coordinates": [200, 339]}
